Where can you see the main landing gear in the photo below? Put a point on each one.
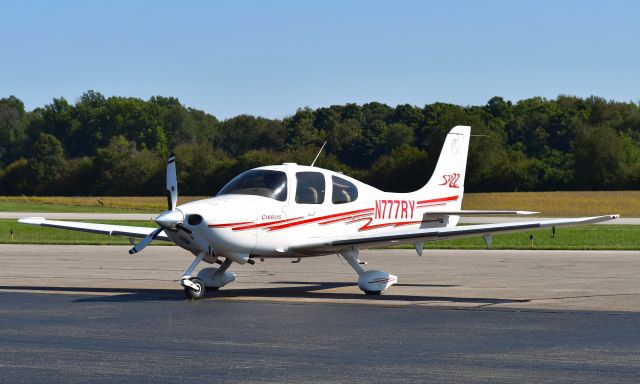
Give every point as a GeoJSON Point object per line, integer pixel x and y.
{"type": "Point", "coordinates": [372, 282]}
{"type": "Point", "coordinates": [207, 278]}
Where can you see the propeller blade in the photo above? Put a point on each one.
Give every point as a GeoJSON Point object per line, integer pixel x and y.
{"type": "Point", "coordinates": [144, 242]}
{"type": "Point", "coordinates": [172, 183]}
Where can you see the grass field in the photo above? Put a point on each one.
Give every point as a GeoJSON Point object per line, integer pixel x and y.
{"type": "Point", "coordinates": [557, 204]}
{"type": "Point", "coordinates": [10, 206]}
{"type": "Point", "coordinates": [550, 204]}
{"type": "Point", "coordinates": [102, 204]}
{"type": "Point", "coordinates": [619, 237]}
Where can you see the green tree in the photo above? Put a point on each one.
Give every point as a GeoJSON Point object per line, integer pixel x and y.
{"type": "Point", "coordinates": [202, 170]}
{"type": "Point", "coordinates": [78, 177]}
{"type": "Point", "coordinates": [119, 144]}
{"type": "Point", "coordinates": [13, 133]}
{"type": "Point", "coordinates": [243, 133]}
{"type": "Point", "coordinates": [47, 162]}
{"type": "Point", "coordinates": [124, 170]}
{"type": "Point", "coordinates": [15, 180]}
{"type": "Point", "coordinates": [600, 158]}
{"type": "Point", "coordinates": [403, 170]}
{"type": "Point", "coordinates": [301, 130]}
{"type": "Point", "coordinates": [93, 121]}
{"type": "Point", "coordinates": [138, 121]}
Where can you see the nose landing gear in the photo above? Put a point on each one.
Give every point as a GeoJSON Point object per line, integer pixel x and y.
{"type": "Point", "coordinates": [195, 289]}
{"type": "Point", "coordinates": [207, 278]}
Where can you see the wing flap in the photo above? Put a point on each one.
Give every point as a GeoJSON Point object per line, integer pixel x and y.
{"type": "Point", "coordinates": [103, 229]}
{"type": "Point", "coordinates": [364, 240]}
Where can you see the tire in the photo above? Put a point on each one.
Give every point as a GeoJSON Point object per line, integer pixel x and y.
{"type": "Point", "coordinates": [195, 294]}
{"type": "Point", "coordinates": [373, 293]}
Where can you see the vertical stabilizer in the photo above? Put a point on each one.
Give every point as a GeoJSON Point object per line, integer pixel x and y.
{"type": "Point", "coordinates": [447, 180]}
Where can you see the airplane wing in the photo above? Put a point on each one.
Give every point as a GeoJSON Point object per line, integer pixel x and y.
{"type": "Point", "coordinates": [366, 240]}
{"type": "Point", "coordinates": [103, 229]}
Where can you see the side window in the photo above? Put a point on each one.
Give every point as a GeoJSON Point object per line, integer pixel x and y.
{"type": "Point", "coordinates": [343, 191]}
{"type": "Point", "coordinates": [310, 188]}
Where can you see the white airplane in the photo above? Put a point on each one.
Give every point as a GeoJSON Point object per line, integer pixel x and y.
{"type": "Point", "coordinates": [295, 211]}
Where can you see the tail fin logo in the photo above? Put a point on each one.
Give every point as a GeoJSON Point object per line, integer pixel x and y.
{"type": "Point", "coordinates": [451, 179]}
{"type": "Point", "coordinates": [454, 146]}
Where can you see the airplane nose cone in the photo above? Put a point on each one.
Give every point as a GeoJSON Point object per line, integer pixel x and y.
{"type": "Point", "coordinates": [169, 219]}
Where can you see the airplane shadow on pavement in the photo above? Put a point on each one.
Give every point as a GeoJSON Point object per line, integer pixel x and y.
{"type": "Point", "coordinates": [296, 290]}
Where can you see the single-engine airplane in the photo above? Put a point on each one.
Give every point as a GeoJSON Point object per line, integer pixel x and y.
{"type": "Point", "coordinates": [295, 211]}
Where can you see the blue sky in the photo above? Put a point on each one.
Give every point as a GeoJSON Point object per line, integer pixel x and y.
{"type": "Point", "coordinates": [269, 58]}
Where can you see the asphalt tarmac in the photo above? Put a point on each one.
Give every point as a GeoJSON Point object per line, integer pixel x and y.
{"type": "Point", "coordinates": [549, 280]}
{"type": "Point", "coordinates": [96, 314]}
{"type": "Point", "coordinates": [147, 338]}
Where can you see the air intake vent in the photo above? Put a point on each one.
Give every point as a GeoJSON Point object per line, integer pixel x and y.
{"type": "Point", "coordinates": [194, 219]}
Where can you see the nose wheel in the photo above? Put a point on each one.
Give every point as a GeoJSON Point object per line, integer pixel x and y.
{"type": "Point", "coordinates": [193, 287]}
{"type": "Point", "coordinates": [207, 279]}
{"type": "Point", "coordinates": [195, 290]}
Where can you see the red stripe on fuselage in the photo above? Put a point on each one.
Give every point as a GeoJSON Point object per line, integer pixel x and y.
{"type": "Point", "coordinates": [317, 219]}
{"type": "Point", "coordinates": [430, 205]}
{"type": "Point", "coordinates": [335, 220]}
{"type": "Point", "coordinates": [265, 224]}
{"type": "Point", "coordinates": [448, 198]}
{"type": "Point", "coordinates": [346, 218]}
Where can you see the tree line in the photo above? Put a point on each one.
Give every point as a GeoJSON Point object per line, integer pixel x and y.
{"type": "Point", "coordinates": [118, 145]}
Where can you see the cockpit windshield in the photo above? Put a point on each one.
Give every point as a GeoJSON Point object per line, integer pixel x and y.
{"type": "Point", "coordinates": [258, 182]}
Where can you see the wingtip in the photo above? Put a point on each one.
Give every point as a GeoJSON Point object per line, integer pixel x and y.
{"type": "Point", "coordinates": [606, 217]}
{"type": "Point", "coordinates": [32, 220]}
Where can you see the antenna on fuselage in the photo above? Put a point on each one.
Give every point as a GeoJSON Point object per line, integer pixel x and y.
{"type": "Point", "coordinates": [318, 155]}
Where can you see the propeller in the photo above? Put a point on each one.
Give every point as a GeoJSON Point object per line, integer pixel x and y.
{"type": "Point", "coordinates": [144, 242]}
{"type": "Point", "coordinates": [171, 218]}
{"type": "Point", "coordinates": [172, 183]}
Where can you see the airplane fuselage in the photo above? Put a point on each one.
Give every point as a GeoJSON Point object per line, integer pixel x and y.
{"type": "Point", "coordinates": [315, 203]}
